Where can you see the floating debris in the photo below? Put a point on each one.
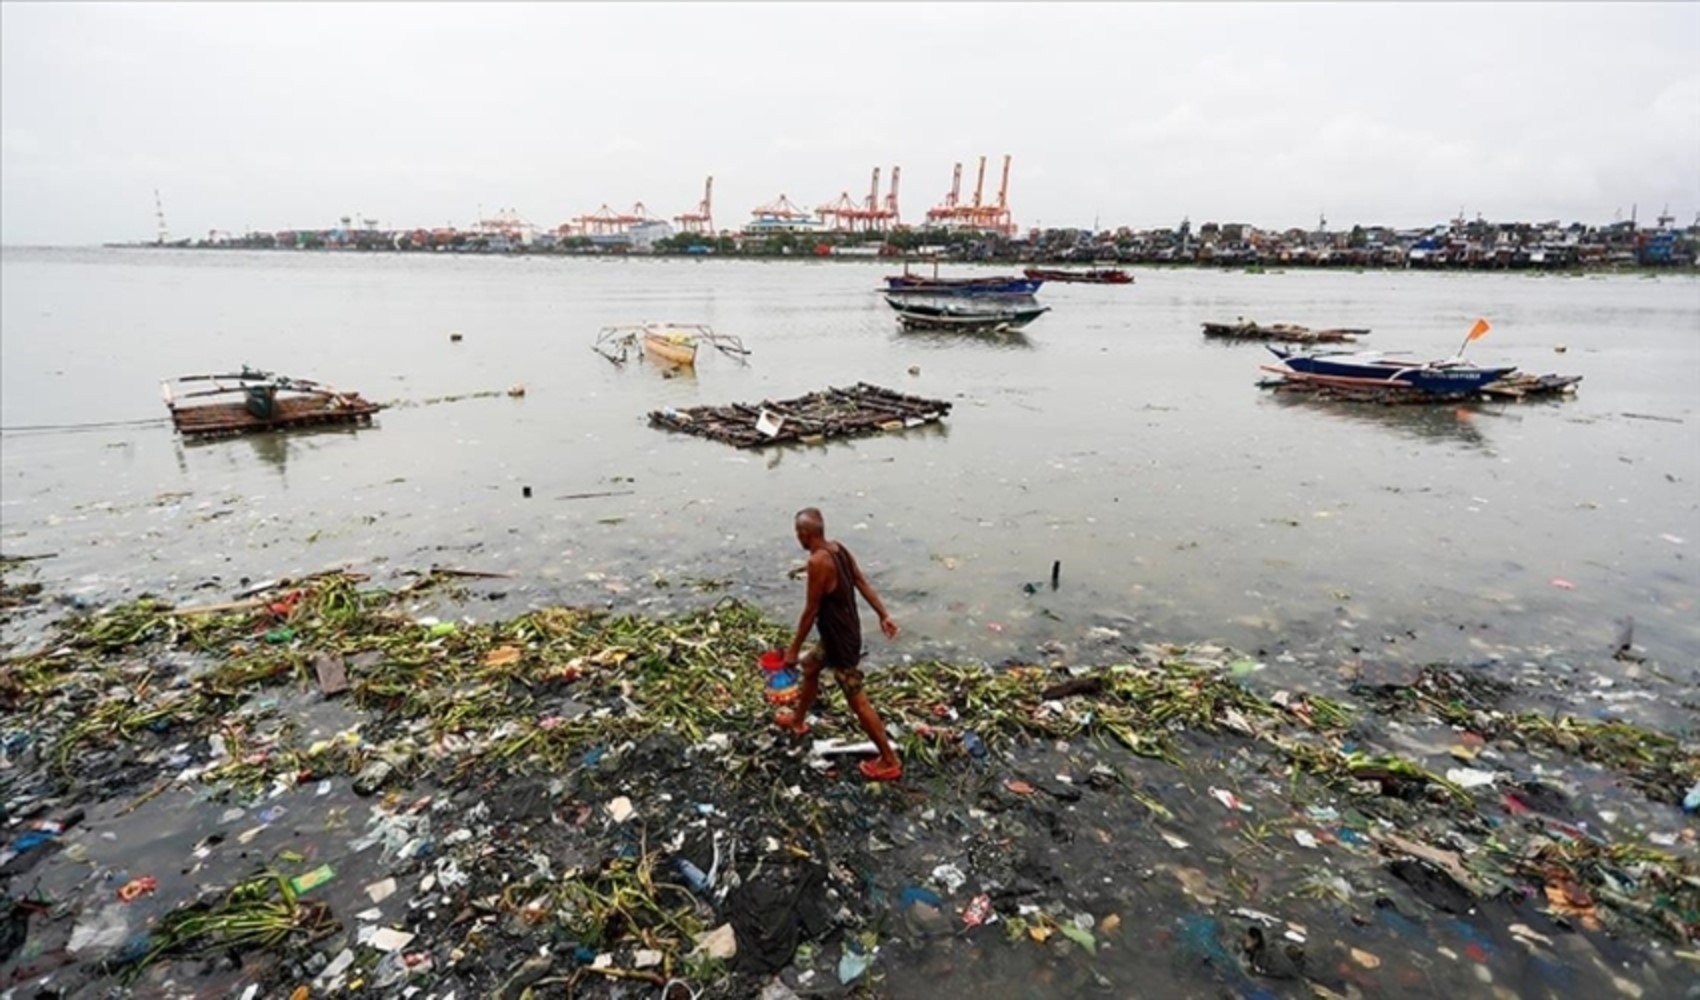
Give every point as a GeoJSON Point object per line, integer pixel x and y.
{"type": "Point", "coordinates": [831, 413]}
{"type": "Point", "coordinates": [1288, 332]}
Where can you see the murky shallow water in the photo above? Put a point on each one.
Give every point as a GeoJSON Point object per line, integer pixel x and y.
{"type": "Point", "coordinates": [1182, 502]}
{"type": "Point", "coordinates": [1179, 499]}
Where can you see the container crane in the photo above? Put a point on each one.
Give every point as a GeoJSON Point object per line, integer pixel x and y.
{"type": "Point", "coordinates": [876, 216]}
{"type": "Point", "coordinates": [840, 215]}
{"type": "Point", "coordinates": [995, 218]}
{"type": "Point", "coordinates": [890, 213]}
{"type": "Point", "coordinates": [870, 215]}
{"type": "Point", "coordinates": [978, 214]}
{"type": "Point", "coordinates": [702, 220]}
{"type": "Point", "coordinates": [783, 208]}
{"type": "Point", "coordinates": [607, 222]}
{"type": "Point", "coordinates": [944, 213]}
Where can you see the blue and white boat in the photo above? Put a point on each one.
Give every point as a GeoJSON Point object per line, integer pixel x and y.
{"type": "Point", "coordinates": [1369, 369]}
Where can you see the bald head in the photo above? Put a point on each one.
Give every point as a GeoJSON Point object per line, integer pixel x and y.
{"type": "Point", "coordinates": [810, 526]}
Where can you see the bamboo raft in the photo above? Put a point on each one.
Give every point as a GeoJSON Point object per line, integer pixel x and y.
{"type": "Point", "coordinates": [1515, 387]}
{"type": "Point", "coordinates": [264, 402]}
{"type": "Point", "coordinates": [831, 413]}
{"type": "Point", "coordinates": [1288, 332]}
{"type": "Point", "coordinates": [1522, 385]}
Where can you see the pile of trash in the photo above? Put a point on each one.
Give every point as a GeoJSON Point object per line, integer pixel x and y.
{"type": "Point", "coordinates": [378, 801]}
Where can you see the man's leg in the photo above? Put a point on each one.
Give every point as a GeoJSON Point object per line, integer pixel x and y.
{"type": "Point", "coordinates": [850, 679]}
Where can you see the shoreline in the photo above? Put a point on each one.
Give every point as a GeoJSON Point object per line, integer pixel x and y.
{"type": "Point", "coordinates": [897, 260]}
{"type": "Point", "coordinates": [493, 728]}
{"type": "Point", "coordinates": [1002, 262]}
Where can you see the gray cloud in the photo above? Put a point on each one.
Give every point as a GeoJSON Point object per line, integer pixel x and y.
{"type": "Point", "coordinates": [281, 116]}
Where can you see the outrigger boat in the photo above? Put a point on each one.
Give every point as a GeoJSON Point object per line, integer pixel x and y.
{"type": "Point", "coordinates": [1370, 369]}
{"type": "Point", "coordinates": [672, 344]}
{"type": "Point", "coordinates": [258, 401]}
{"type": "Point", "coordinates": [1096, 276]}
{"type": "Point", "coordinates": [967, 319]}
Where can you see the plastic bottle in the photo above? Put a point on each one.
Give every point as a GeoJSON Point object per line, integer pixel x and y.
{"type": "Point", "coordinates": [391, 970]}
{"type": "Point", "coordinates": [693, 876]}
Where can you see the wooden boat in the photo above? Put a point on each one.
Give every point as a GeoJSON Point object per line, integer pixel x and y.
{"type": "Point", "coordinates": [993, 286]}
{"type": "Point", "coordinates": [908, 283]}
{"type": "Point", "coordinates": [1289, 332]}
{"type": "Point", "coordinates": [964, 318]}
{"type": "Point", "coordinates": [671, 344]}
{"type": "Point", "coordinates": [1446, 377]}
{"type": "Point", "coordinates": [1096, 276]}
{"type": "Point", "coordinates": [257, 400]}
{"type": "Point", "coordinates": [1517, 386]}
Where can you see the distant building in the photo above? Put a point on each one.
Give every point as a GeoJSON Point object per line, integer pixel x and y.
{"type": "Point", "coordinates": [645, 235]}
{"type": "Point", "coordinates": [782, 215]}
{"type": "Point", "coordinates": [768, 225]}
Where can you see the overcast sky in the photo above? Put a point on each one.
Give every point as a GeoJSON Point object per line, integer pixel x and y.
{"type": "Point", "coordinates": [248, 115]}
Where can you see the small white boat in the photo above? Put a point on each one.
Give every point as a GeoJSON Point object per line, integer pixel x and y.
{"type": "Point", "coordinates": [673, 344]}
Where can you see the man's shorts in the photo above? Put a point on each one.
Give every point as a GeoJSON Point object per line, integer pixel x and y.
{"type": "Point", "coordinates": [849, 678]}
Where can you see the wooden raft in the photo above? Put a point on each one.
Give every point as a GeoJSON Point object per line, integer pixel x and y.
{"type": "Point", "coordinates": [1288, 332]}
{"type": "Point", "coordinates": [292, 412]}
{"type": "Point", "coordinates": [831, 413]}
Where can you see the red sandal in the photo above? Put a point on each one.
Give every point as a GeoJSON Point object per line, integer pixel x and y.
{"type": "Point", "coordinates": [792, 723]}
{"type": "Point", "coordinates": [873, 770]}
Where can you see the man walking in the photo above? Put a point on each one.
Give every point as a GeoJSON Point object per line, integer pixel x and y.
{"type": "Point", "coordinates": [834, 581]}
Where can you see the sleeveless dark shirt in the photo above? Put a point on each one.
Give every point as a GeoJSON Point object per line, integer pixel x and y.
{"type": "Point", "coordinates": [838, 623]}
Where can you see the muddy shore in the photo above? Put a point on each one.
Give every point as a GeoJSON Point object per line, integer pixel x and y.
{"type": "Point", "coordinates": [359, 787]}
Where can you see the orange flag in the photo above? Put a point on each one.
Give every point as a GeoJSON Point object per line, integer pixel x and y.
{"type": "Point", "coordinates": [1478, 331]}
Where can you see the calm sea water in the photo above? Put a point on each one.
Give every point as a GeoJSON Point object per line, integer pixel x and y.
{"type": "Point", "coordinates": [1182, 501]}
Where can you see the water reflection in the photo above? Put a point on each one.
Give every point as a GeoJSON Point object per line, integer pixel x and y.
{"type": "Point", "coordinates": [1438, 423]}
{"type": "Point", "coordinates": [667, 370]}
{"type": "Point", "coordinates": [774, 456]}
{"type": "Point", "coordinates": [273, 449]}
{"type": "Point", "coordinates": [1008, 340]}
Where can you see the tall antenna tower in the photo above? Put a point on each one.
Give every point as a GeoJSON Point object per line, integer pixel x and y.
{"type": "Point", "coordinates": [162, 234]}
